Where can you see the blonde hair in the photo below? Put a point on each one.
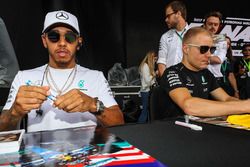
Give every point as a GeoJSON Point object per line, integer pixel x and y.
{"type": "Point", "coordinates": [193, 32]}
{"type": "Point", "coordinates": [150, 60]}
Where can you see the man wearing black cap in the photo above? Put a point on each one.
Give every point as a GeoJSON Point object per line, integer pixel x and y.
{"type": "Point", "coordinates": [60, 94]}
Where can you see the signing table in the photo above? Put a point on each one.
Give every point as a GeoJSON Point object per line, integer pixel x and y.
{"type": "Point", "coordinates": [156, 144]}
{"type": "Point", "coordinates": [178, 146]}
{"type": "Point", "coordinates": [78, 147]}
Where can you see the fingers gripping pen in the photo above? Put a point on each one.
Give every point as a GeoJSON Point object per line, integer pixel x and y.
{"type": "Point", "coordinates": [51, 97]}
{"type": "Point", "coordinates": [39, 111]}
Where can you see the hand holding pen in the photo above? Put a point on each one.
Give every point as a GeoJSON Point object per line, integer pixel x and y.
{"type": "Point", "coordinates": [29, 97]}
{"type": "Point", "coordinates": [50, 96]}
{"type": "Point", "coordinates": [39, 111]}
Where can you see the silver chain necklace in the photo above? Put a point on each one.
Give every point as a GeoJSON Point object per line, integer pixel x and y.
{"type": "Point", "coordinates": [54, 86]}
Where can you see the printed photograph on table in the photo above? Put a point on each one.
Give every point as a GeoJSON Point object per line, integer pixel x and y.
{"type": "Point", "coordinates": [10, 141]}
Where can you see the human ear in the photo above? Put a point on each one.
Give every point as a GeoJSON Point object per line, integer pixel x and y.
{"type": "Point", "coordinates": [185, 49]}
{"type": "Point", "coordinates": [79, 44]}
{"type": "Point", "coordinates": [44, 41]}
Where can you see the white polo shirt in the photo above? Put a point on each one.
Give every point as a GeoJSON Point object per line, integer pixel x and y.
{"type": "Point", "coordinates": [170, 49]}
{"type": "Point", "coordinates": [90, 82]}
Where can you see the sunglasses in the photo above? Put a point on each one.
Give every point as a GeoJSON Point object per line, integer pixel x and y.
{"type": "Point", "coordinates": [54, 36]}
{"type": "Point", "coordinates": [168, 15]}
{"type": "Point", "coordinates": [204, 49]}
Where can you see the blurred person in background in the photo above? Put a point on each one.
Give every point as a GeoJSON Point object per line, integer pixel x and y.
{"type": "Point", "coordinates": [212, 23]}
{"type": "Point", "coordinates": [148, 79]}
{"type": "Point", "coordinates": [170, 49]}
{"type": "Point", "coordinates": [229, 83]}
{"type": "Point", "coordinates": [243, 73]}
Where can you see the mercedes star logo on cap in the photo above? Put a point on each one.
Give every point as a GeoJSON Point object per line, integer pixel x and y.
{"type": "Point", "coordinates": [62, 16]}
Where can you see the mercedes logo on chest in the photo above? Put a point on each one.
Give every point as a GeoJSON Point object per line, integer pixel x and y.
{"type": "Point", "coordinates": [62, 16]}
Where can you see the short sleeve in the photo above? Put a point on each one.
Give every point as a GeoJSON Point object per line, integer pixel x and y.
{"type": "Point", "coordinates": [104, 91]}
{"type": "Point", "coordinates": [13, 91]}
{"type": "Point", "coordinates": [171, 79]}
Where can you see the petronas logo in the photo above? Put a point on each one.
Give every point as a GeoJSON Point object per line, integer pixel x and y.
{"type": "Point", "coordinates": [202, 78]}
{"type": "Point", "coordinates": [81, 85]}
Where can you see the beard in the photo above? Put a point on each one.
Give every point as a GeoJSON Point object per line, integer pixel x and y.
{"type": "Point", "coordinates": [62, 62]}
{"type": "Point", "coordinates": [172, 25]}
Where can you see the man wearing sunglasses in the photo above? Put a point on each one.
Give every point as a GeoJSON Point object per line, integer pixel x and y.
{"type": "Point", "coordinates": [212, 23]}
{"type": "Point", "coordinates": [170, 52]}
{"type": "Point", "coordinates": [189, 83]}
{"type": "Point", "coordinates": [60, 94]}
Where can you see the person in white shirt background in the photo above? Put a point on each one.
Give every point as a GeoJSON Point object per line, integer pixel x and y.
{"type": "Point", "coordinates": [148, 78]}
{"type": "Point", "coordinates": [212, 23]}
{"type": "Point", "coordinates": [60, 94]}
{"type": "Point", "coordinates": [170, 49]}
